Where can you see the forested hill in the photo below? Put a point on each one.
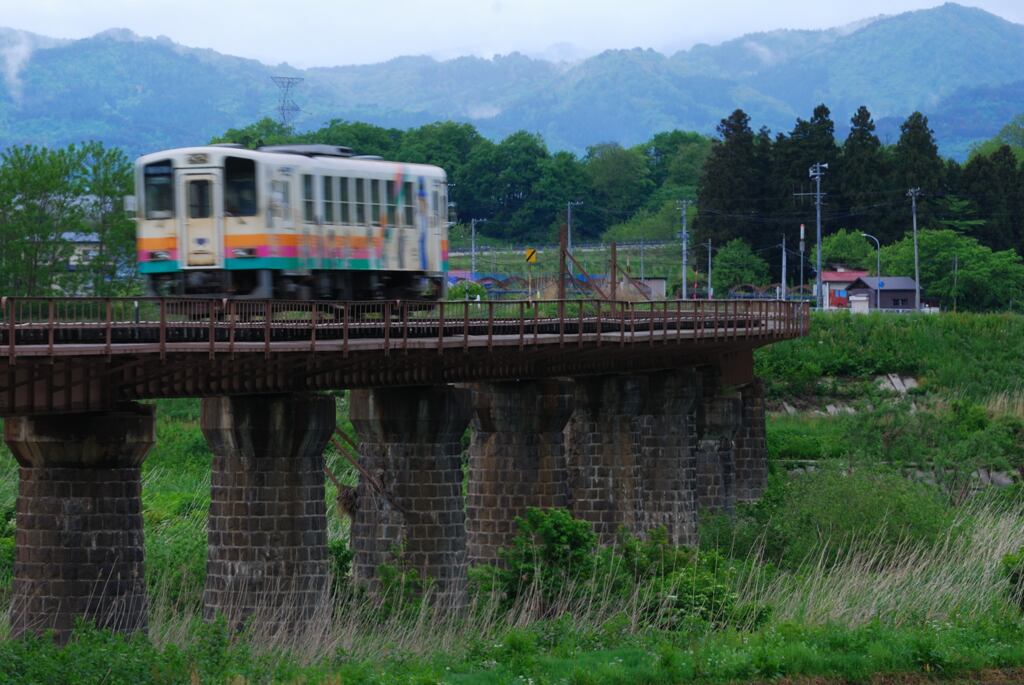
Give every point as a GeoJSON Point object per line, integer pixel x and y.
{"type": "Point", "coordinates": [962, 66]}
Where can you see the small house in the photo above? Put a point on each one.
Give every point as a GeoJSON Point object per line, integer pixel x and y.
{"type": "Point", "coordinates": [836, 285]}
{"type": "Point", "coordinates": [889, 292]}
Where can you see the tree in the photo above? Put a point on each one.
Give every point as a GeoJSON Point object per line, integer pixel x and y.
{"type": "Point", "coordinates": [562, 178]}
{"type": "Point", "coordinates": [364, 139]}
{"type": "Point", "coordinates": [266, 131]}
{"type": "Point", "coordinates": [729, 181]}
{"type": "Point", "coordinates": [498, 181]}
{"type": "Point", "coordinates": [736, 264]}
{"type": "Point", "coordinates": [957, 269]}
{"type": "Point", "coordinates": [848, 248]}
{"type": "Point", "coordinates": [107, 176]}
{"type": "Point", "coordinates": [992, 183]}
{"type": "Point", "coordinates": [863, 181]}
{"type": "Point", "coordinates": [619, 179]}
{"type": "Point", "coordinates": [675, 157]}
{"type": "Point", "coordinates": [1012, 135]}
{"type": "Point", "coordinates": [41, 193]}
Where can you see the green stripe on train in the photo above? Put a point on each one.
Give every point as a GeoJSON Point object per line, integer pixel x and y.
{"type": "Point", "coordinates": [162, 267]}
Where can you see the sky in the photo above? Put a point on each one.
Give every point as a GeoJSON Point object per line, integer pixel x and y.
{"type": "Point", "coordinates": [307, 33]}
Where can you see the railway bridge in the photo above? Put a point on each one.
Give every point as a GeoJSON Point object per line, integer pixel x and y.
{"type": "Point", "coordinates": [629, 414]}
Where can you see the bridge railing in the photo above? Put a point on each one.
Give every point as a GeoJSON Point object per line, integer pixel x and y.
{"type": "Point", "coordinates": [41, 326]}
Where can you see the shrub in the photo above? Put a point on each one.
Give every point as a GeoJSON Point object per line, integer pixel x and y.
{"type": "Point", "coordinates": [551, 552]}
{"type": "Point", "coordinates": [340, 556]}
{"type": "Point", "coordinates": [1013, 569]}
{"type": "Point", "coordinates": [467, 290]}
{"type": "Point", "coordinates": [6, 562]}
{"type": "Point", "coordinates": [820, 514]}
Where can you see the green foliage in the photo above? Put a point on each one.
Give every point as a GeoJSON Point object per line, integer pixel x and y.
{"type": "Point", "coordinates": [401, 588]}
{"type": "Point", "coordinates": [850, 249]}
{"type": "Point", "coordinates": [266, 131]}
{"type": "Point", "coordinates": [550, 553]}
{"type": "Point", "coordinates": [340, 555]}
{"type": "Point", "coordinates": [929, 348]}
{"type": "Point", "coordinates": [47, 194]}
{"type": "Point", "coordinates": [700, 595]}
{"type": "Point", "coordinates": [1010, 135]}
{"type": "Point", "coordinates": [735, 264]}
{"type": "Point", "coordinates": [1012, 567]}
{"type": "Point", "coordinates": [818, 516]}
{"type": "Point", "coordinates": [960, 436]}
{"type": "Point", "coordinates": [6, 562]}
{"type": "Point", "coordinates": [978, 280]}
{"type": "Point", "coordinates": [805, 437]}
{"type": "Point", "coordinates": [467, 290]}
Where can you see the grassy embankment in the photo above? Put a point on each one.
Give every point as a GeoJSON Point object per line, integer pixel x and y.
{"type": "Point", "coordinates": [841, 573]}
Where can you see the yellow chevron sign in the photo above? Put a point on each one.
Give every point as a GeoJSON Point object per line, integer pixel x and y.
{"type": "Point", "coordinates": [531, 255]}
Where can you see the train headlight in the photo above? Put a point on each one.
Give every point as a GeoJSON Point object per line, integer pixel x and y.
{"type": "Point", "coordinates": [159, 255]}
{"type": "Point", "coordinates": [243, 252]}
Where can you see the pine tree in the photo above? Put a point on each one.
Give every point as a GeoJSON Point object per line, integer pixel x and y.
{"type": "Point", "coordinates": [730, 183]}
{"type": "Point", "coordinates": [862, 184]}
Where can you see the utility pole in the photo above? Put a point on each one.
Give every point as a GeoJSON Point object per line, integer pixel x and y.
{"type": "Point", "coordinates": [709, 269]}
{"type": "Point", "coordinates": [568, 211]}
{"type": "Point", "coordinates": [472, 246]}
{"type": "Point", "coordinates": [816, 171]}
{"type": "Point", "coordinates": [913, 194]}
{"type": "Point", "coordinates": [802, 246]}
{"type": "Point", "coordinates": [684, 239]}
{"type": "Point", "coordinates": [878, 269]}
{"type": "Point", "coordinates": [783, 280]}
{"type": "Point", "coordinates": [642, 274]}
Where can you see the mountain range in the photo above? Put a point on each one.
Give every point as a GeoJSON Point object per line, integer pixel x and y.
{"type": "Point", "coordinates": [961, 66]}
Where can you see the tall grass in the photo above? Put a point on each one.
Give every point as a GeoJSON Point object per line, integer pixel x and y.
{"type": "Point", "coordinates": [956, 576]}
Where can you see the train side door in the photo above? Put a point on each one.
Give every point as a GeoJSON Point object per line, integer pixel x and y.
{"type": "Point", "coordinates": [201, 223]}
{"type": "Point", "coordinates": [281, 220]}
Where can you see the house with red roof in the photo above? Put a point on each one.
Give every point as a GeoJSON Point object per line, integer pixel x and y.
{"type": "Point", "coordinates": [837, 284]}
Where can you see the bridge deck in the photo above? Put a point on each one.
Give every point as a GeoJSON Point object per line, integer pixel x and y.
{"type": "Point", "coordinates": [79, 354]}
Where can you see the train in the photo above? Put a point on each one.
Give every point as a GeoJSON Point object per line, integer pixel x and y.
{"type": "Point", "coordinates": [289, 222]}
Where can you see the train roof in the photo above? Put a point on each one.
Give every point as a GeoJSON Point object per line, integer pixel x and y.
{"type": "Point", "coordinates": [316, 156]}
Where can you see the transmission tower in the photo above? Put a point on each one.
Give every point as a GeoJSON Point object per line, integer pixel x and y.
{"type": "Point", "coordinates": [286, 107]}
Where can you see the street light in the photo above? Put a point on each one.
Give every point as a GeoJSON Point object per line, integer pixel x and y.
{"type": "Point", "coordinates": [878, 269]}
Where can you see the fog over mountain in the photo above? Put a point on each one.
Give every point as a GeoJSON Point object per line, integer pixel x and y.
{"type": "Point", "coordinates": [963, 67]}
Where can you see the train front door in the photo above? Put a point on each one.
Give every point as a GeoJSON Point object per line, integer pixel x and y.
{"type": "Point", "coordinates": [201, 224]}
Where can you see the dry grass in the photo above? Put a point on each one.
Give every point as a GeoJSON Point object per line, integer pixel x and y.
{"type": "Point", "coordinates": [1006, 404]}
{"type": "Point", "coordinates": [958, 575]}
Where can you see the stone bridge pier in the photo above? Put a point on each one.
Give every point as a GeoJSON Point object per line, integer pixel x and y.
{"type": "Point", "coordinates": [409, 510]}
{"type": "Point", "coordinates": [267, 530]}
{"type": "Point", "coordinates": [517, 459]}
{"type": "Point", "coordinates": [78, 538]}
{"type": "Point", "coordinates": [632, 454]}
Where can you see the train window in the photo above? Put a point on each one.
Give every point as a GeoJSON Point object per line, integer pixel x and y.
{"type": "Point", "coordinates": [437, 208]}
{"type": "Point", "coordinates": [239, 187]}
{"type": "Point", "coordinates": [375, 202]}
{"type": "Point", "coordinates": [346, 215]}
{"type": "Point", "coordinates": [410, 203]}
{"type": "Point", "coordinates": [159, 190]}
{"type": "Point", "coordinates": [328, 200]}
{"type": "Point", "coordinates": [392, 204]}
{"type": "Point", "coordinates": [280, 201]}
{"type": "Point", "coordinates": [360, 202]}
{"type": "Point", "coordinates": [308, 210]}
{"type": "Point", "coordinates": [199, 205]}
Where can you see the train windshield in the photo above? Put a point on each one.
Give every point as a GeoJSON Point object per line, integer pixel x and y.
{"type": "Point", "coordinates": [239, 187]}
{"type": "Point", "coordinates": [159, 190]}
